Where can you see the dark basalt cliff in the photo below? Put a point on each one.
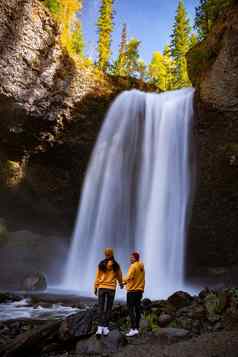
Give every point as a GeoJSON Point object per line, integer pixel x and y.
{"type": "Point", "coordinates": [50, 113]}
{"type": "Point", "coordinates": [213, 67]}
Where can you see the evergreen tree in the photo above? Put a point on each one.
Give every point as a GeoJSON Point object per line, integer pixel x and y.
{"type": "Point", "coordinates": [207, 13]}
{"type": "Point", "coordinates": [77, 42]}
{"type": "Point", "coordinates": [180, 45]}
{"type": "Point", "coordinates": [119, 68]}
{"type": "Point", "coordinates": [170, 68]}
{"type": "Point", "coordinates": [193, 40]}
{"type": "Point", "coordinates": [105, 28]}
{"type": "Point", "coordinates": [132, 57]}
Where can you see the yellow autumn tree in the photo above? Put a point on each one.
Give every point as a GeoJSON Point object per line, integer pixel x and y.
{"type": "Point", "coordinates": [66, 12]}
{"type": "Point", "coordinates": [67, 17]}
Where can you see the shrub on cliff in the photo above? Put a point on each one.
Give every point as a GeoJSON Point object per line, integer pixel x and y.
{"type": "Point", "coordinates": [207, 13]}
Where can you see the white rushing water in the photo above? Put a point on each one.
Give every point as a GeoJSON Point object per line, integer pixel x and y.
{"type": "Point", "coordinates": [136, 192]}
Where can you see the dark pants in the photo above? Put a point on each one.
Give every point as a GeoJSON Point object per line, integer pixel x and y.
{"type": "Point", "coordinates": [134, 309]}
{"type": "Point", "coordinates": [105, 301]}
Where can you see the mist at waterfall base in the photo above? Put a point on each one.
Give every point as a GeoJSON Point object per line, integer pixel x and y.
{"type": "Point", "coordinates": [137, 192]}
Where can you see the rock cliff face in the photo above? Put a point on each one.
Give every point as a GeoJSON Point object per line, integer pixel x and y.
{"type": "Point", "coordinates": [213, 67]}
{"type": "Point", "coordinates": [51, 110]}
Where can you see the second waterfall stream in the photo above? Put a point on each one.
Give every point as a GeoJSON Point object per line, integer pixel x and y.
{"type": "Point", "coordinates": [137, 192]}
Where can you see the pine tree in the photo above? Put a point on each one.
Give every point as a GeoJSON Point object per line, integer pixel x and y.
{"type": "Point", "coordinates": [119, 65]}
{"type": "Point", "coordinates": [170, 68]}
{"type": "Point", "coordinates": [193, 40]}
{"type": "Point", "coordinates": [207, 13]}
{"type": "Point", "coordinates": [132, 57]}
{"type": "Point", "coordinates": [105, 28]}
{"type": "Point", "coordinates": [180, 45]}
{"type": "Point", "coordinates": [77, 42]}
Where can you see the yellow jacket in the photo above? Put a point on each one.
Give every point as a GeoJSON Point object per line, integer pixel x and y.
{"type": "Point", "coordinates": [135, 280]}
{"type": "Point", "coordinates": [108, 279]}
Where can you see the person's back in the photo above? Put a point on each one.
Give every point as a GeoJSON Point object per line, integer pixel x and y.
{"type": "Point", "coordinates": [135, 284]}
{"type": "Point", "coordinates": [107, 276]}
{"type": "Point", "coordinates": [136, 277]}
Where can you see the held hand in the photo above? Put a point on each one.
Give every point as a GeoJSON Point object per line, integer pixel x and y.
{"type": "Point", "coordinates": [96, 291]}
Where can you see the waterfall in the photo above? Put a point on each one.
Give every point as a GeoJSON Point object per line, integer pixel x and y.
{"type": "Point", "coordinates": [136, 192]}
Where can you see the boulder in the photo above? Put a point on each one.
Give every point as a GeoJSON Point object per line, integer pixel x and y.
{"type": "Point", "coordinates": [180, 299]}
{"type": "Point", "coordinates": [34, 282]}
{"type": "Point", "coordinates": [101, 346]}
{"type": "Point", "coordinates": [171, 335]}
{"type": "Point", "coordinates": [78, 325]}
{"type": "Point", "coordinates": [164, 319]}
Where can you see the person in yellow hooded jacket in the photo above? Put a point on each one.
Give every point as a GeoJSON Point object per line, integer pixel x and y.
{"type": "Point", "coordinates": [135, 284]}
{"type": "Point", "coordinates": [107, 275]}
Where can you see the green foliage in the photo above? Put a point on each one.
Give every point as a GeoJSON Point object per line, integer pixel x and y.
{"type": "Point", "coordinates": [152, 320]}
{"type": "Point", "coordinates": [66, 13]}
{"type": "Point", "coordinates": [119, 67]}
{"type": "Point", "coordinates": [132, 57]}
{"type": "Point", "coordinates": [161, 69]}
{"type": "Point", "coordinates": [53, 6]}
{"type": "Point", "coordinates": [129, 63]}
{"type": "Point", "coordinates": [105, 28]}
{"type": "Point", "coordinates": [157, 71]}
{"type": "Point", "coordinates": [207, 13]}
{"type": "Point", "coordinates": [77, 41]}
{"type": "Point", "coordinates": [193, 40]}
{"type": "Point", "coordinates": [180, 45]}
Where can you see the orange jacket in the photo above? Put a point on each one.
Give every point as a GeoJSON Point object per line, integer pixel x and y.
{"type": "Point", "coordinates": [108, 279]}
{"type": "Point", "coordinates": [135, 280]}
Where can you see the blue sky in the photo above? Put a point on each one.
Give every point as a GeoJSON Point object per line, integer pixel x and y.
{"type": "Point", "coordinates": [148, 20]}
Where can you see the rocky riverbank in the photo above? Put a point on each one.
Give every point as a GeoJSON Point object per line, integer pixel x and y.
{"type": "Point", "coordinates": [202, 325]}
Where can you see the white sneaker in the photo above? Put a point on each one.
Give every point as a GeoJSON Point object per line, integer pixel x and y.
{"type": "Point", "coordinates": [132, 332]}
{"type": "Point", "coordinates": [105, 331]}
{"type": "Point", "coordinates": [99, 331]}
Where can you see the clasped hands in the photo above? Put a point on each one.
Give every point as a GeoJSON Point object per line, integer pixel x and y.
{"type": "Point", "coordinates": [121, 287]}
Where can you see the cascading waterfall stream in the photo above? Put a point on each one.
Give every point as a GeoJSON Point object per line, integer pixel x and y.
{"type": "Point", "coordinates": [137, 191]}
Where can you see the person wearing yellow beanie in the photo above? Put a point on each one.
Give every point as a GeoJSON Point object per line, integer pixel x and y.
{"type": "Point", "coordinates": [107, 276]}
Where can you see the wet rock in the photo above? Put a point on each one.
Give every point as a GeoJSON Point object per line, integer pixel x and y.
{"type": "Point", "coordinates": [146, 304]}
{"type": "Point", "coordinates": [164, 319]}
{"type": "Point", "coordinates": [35, 282]}
{"type": "Point", "coordinates": [78, 325]}
{"type": "Point", "coordinates": [180, 299]}
{"type": "Point", "coordinates": [101, 346]}
{"type": "Point", "coordinates": [9, 297]}
{"type": "Point", "coordinates": [171, 335]}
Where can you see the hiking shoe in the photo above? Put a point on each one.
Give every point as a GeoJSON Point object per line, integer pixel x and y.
{"type": "Point", "coordinates": [132, 332]}
{"type": "Point", "coordinates": [105, 331]}
{"type": "Point", "coordinates": [99, 331]}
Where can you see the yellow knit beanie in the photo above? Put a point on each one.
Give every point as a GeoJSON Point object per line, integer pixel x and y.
{"type": "Point", "coordinates": [108, 252]}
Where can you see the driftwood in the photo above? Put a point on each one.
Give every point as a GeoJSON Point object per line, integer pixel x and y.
{"type": "Point", "coordinates": [31, 342]}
